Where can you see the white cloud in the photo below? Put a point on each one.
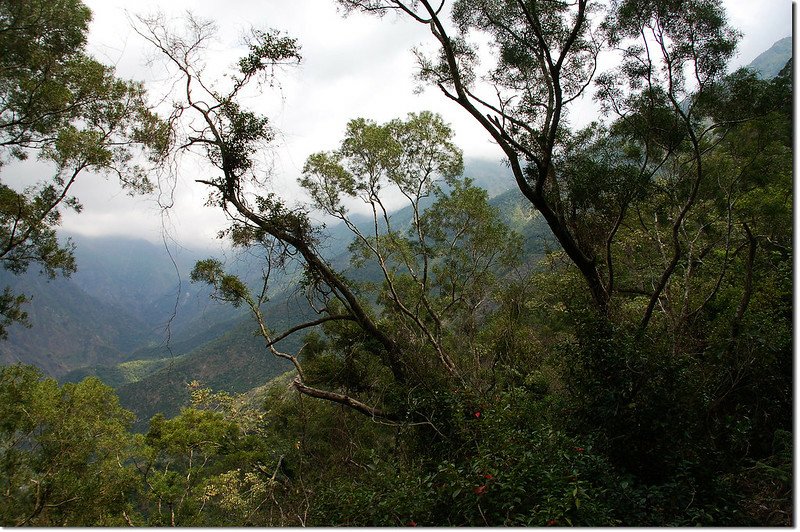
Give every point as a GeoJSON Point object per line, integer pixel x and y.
{"type": "Point", "coordinates": [762, 23]}
{"type": "Point", "coordinates": [353, 66]}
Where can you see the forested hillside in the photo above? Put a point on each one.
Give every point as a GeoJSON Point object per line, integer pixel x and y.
{"type": "Point", "coordinates": [120, 299]}
{"type": "Point", "coordinates": [216, 344]}
{"type": "Point", "coordinates": [129, 312]}
{"type": "Point", "coordinates": [595, 332]}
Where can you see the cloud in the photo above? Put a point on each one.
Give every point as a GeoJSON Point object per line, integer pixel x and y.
{"type": "Point", "coordinates": [355, 66]}
{"type": "Point", "coordinates": [762, 24]}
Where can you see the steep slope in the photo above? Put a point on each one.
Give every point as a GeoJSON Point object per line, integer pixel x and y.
{"type": "Point", "coordinates": [151, 283]}
{"type": "Point", "coordinates": [123, 299]}
{"type": "Point", "coordinates": [125, 272]}
{"type": "Point", "coordinates": [70, 328]}
{"type": "Point", "coordinates": [235, 361]}
{"type": "Point", "coordinates": [769, 63]}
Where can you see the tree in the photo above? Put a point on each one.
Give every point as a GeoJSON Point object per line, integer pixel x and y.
{"type": "Point", "coordinates": [656, 131]}
{"type": "Point", "coordinates": [63, 451]}
{"type": "Point", "coordinates": [659, 207]}
{"type": "Point", "coordinates": [435, 274]}
{"type": "Point", "coordinates": [180, 454]}
{"type": "Point", "coordinates": [669, 209]}
{"type": "Point", "coordinates": [213, 464]}
{"type": "Point", "coordinates": [72, 113]}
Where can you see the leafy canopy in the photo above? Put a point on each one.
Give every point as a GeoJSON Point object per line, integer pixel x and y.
{"type": "Point", "coordinates": [71, 112]}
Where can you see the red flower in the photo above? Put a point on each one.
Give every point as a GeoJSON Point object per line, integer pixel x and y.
{"type": "Point", "coordinates": [477, 414]}
{"type": "Point", "coordinates": [552, 522]}
{"type": "Point", "coordinates": [480, 490]}
{"type": "Point", "coordinates": [412, 523]}
{"type": "Point", "coordinates": [579, 449]}
{"type": "Point", "coordinates": [488, 476]}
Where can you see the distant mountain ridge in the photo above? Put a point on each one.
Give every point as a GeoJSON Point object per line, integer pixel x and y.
{"type": "Point", "coordinates": [769, 63]}
{"type": "Point", "coordinates": [69, 327]}
{"type": "Point", "coordinates": [120, 300]}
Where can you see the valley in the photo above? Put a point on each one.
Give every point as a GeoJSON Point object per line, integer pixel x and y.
{"type": "Point", "coordinates": [131, 317]}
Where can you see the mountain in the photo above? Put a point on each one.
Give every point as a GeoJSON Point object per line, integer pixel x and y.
{"type": "Point", "coordinates": [234, 362]}
{"type": "Point", "coordinates": [492, 176]}
{"type": "Point", "coordinates": [770, 63]}
{"type": "Point", "coordinates": [148, 281]}
{"type": "Point", "coordinates": [70, 328]}
{"type": "Point", "coordinates": [121, 300]}
{"type": "Point", "coordinates": [233, 359]}
{"type": "Point", "coordinates": [125, 272]}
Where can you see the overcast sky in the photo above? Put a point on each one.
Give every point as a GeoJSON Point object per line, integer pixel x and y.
{"type": "Point", "coordinates": [357, 66]}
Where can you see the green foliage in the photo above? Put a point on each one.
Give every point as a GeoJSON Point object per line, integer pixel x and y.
{"type": "Point", "coordinates": [210, 460]}
{"type": "Point", "coordinates": [518, 46]}
{"type": "Point", "coordinates": [69, 110]}
{"type": "Point", "coordinates": [516, 470]}
{"type": "Point", "coordinates": [227, 287]}
{"type": "Point", "coordinates": [11, 311]}
{"type": "Point", "coordinates": [470, 242]}
{"type": "Point", "coordinates": [180, 454]}
{"type": "Point", "coordinates": [697, 30]}
{"type": "Point", "coordinates": [63, 452]}
{"type": "Point", "coordinates": [433, 274]}
{"type": "Point", "coordinates": [767, 485]}
{"type": "Point", "coordinates": [409, 154]}
{"type": "Point", "coordinates": [267, 50]}
{"type": "Point", "coordinates": [31, 214]}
